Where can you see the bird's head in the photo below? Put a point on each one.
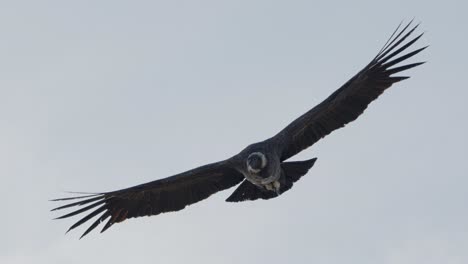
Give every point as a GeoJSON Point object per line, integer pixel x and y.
{"type": "Point", "coordinates": [256, 162]}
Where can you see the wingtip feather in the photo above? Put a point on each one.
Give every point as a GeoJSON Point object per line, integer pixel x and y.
{"type": "Point", "coordinates": [403, 68]}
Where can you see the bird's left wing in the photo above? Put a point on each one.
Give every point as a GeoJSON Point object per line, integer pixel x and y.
{"type": "Point", "coordinates": [160, 196]}
{"type": "Point", "coordinates": [350, 101]}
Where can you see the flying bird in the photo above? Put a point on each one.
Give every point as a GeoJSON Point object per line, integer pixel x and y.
{"type": "Point", "coordinates": [261, 169]}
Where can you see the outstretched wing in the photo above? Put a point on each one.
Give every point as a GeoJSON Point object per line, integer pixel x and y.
{"type": "Point", "coordinates": [160, 196]}
{"type": "Point", "coordinates": [350, 101]}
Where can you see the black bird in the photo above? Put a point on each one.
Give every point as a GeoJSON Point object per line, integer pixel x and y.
{"type": "Point", "coordinates": [261, 168]}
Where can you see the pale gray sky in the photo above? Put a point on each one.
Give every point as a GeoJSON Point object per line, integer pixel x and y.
{"type": "Point", "coordinates": [101, 95]}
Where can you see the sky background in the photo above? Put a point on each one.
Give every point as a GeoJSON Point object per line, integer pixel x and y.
{"type": "Point", "coordinates": [101, 95]}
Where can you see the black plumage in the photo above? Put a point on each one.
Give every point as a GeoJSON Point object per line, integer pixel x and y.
{"type": "Point", "coordinates": [261, 168]}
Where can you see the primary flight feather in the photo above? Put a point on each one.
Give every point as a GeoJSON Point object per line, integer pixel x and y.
{"type": "Point", "coordinates": [261, 168]}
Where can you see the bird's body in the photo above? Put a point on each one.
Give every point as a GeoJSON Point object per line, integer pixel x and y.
{"type": "Point", "coordinates": [262, 168]}
{"type": "Point", "coordinates": [268, 169]}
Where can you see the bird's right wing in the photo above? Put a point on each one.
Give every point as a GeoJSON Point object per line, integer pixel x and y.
{"type": "Point", "coordinates": [160, 196]}
{"type": "Point", "coordinates": [350, 101]}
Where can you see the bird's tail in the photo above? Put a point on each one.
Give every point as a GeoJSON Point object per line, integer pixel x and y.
{"type": "Point", "coordinates": [292, 172]}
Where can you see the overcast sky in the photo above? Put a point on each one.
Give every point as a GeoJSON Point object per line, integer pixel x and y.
{"type": "Point", "coordinates": [101, 95]}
